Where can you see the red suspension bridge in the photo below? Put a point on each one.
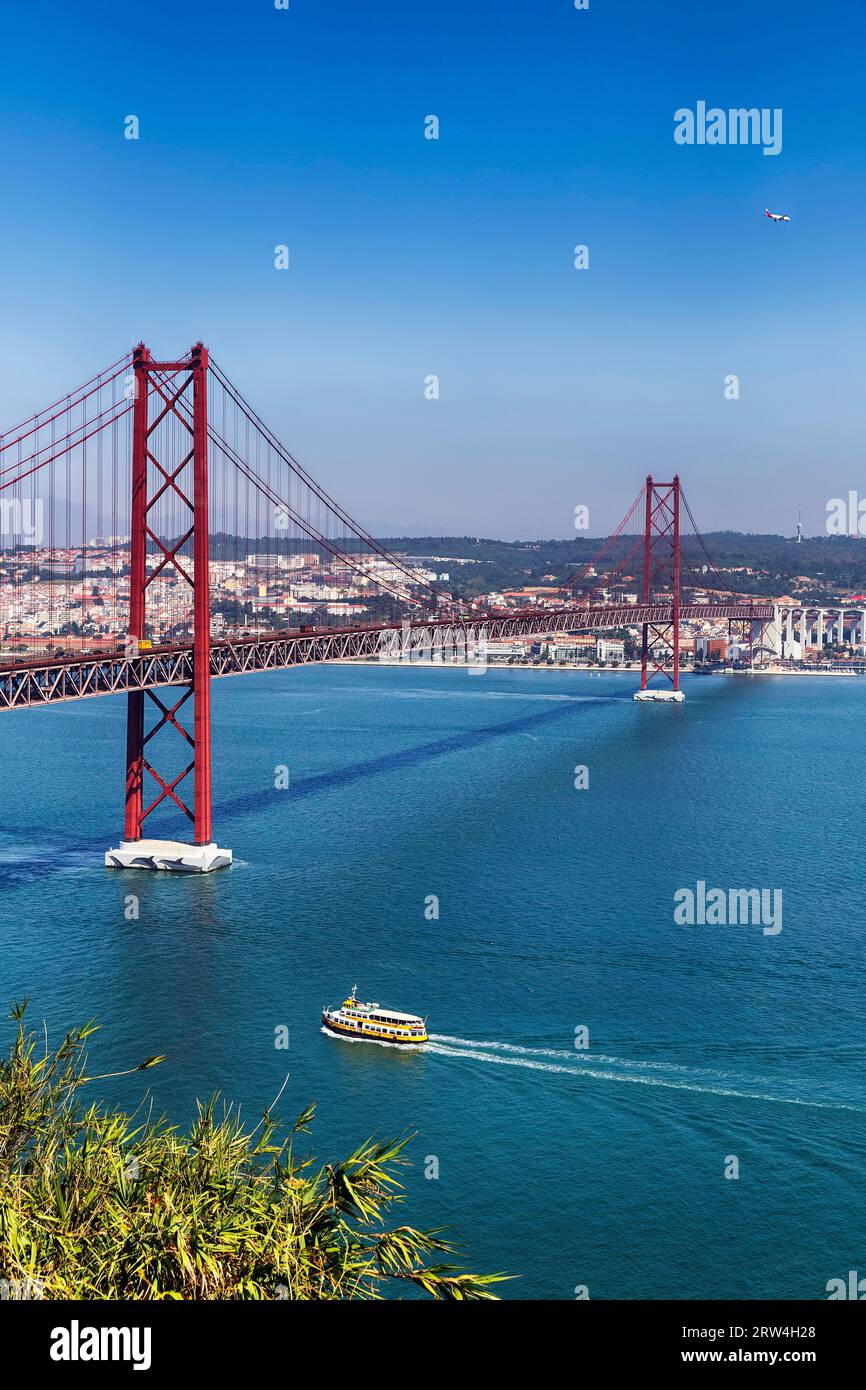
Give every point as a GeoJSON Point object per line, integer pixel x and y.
{"type": "Point", "coordinates": [156, 534]}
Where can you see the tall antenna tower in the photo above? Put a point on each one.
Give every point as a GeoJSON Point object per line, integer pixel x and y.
{"type": "Point", "coordinates": [799, 525]}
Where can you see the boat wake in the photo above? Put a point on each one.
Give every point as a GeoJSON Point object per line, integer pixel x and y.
{"type": "Point", "coordinates": [603, 1067]}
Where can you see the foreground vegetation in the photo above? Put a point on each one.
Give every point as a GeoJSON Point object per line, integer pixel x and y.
{"type": "Point", "coordinates": [98, 1204]}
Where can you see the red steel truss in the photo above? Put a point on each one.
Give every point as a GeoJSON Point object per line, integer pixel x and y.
{"type": "Point", "coordinates": [661, 569]}
{"type": "Point", "coordinates": [82, 678]}
{"type": "Point", "coordinates": [163, 391]}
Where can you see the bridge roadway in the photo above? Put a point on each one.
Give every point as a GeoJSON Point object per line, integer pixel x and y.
{"type": "Point", "coordinates": [43, 680]}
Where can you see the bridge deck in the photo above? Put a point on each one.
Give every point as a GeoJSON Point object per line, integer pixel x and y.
{"type": "Point", "coordinates": [49, 681]}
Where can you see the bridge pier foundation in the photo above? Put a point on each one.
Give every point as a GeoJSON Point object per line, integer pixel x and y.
{"type": "Point", "coordinates": [651, 696]}
{"type": "Point", "coordinates": [171, 855]}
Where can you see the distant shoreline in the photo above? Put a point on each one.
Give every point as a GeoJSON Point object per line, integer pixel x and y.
{"type": "Point", "coordinates": [574, 666]}
{"type": "Point", "coordinates": [785, 671]}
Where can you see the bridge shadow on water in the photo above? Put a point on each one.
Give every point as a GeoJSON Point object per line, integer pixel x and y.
{"type": "Point", "coordinates": [63, 853]}
{"type": "Point", "coordinates": [402, 759]}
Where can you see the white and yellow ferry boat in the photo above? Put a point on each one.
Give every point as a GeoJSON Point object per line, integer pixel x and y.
{"type": "Point", "coordinates": [370, 1021]}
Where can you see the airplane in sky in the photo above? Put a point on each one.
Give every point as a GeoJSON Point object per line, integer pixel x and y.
{"type": "Point", "coordinates": [776, 216]}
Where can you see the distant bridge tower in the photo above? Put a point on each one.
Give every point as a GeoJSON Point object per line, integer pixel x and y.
{"type": "Point", "coordinates": [660, 643]}
{"type": "Point", "coordinates": [169, 479]}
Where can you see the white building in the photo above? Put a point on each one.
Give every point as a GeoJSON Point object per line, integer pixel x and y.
{"type": "Point", "coordinates": [502, 650]}
{"type": "Point", "coordinates": [610, 649]}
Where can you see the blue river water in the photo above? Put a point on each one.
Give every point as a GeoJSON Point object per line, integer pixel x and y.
{"type": "Point", "coordinates": [711, 1048]}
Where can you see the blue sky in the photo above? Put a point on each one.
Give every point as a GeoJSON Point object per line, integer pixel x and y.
{"type": "Point", "coordinates": [411, 257]}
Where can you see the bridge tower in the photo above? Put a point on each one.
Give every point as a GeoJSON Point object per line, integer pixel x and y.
{"type": "Point", "coordinates": [169, 480]}
{"type": "Point", "coordinates": [660, 642]}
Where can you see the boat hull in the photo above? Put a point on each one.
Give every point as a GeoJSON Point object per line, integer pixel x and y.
{"type": "Point", "coordinates": [340, 1030]}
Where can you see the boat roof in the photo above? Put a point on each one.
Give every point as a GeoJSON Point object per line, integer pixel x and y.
{"type": "Point", "coordinates": [395, 1013]}
{"type": "Point", "coordinates": [382, 1009]}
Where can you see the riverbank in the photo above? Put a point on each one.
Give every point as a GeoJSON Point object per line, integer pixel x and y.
{"type": "Point", "coordinates": [501, 666]}
{"type": "Point", "coordinates": [787, 671]}
{"type": "Point", "coordinates": [628, 670]}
